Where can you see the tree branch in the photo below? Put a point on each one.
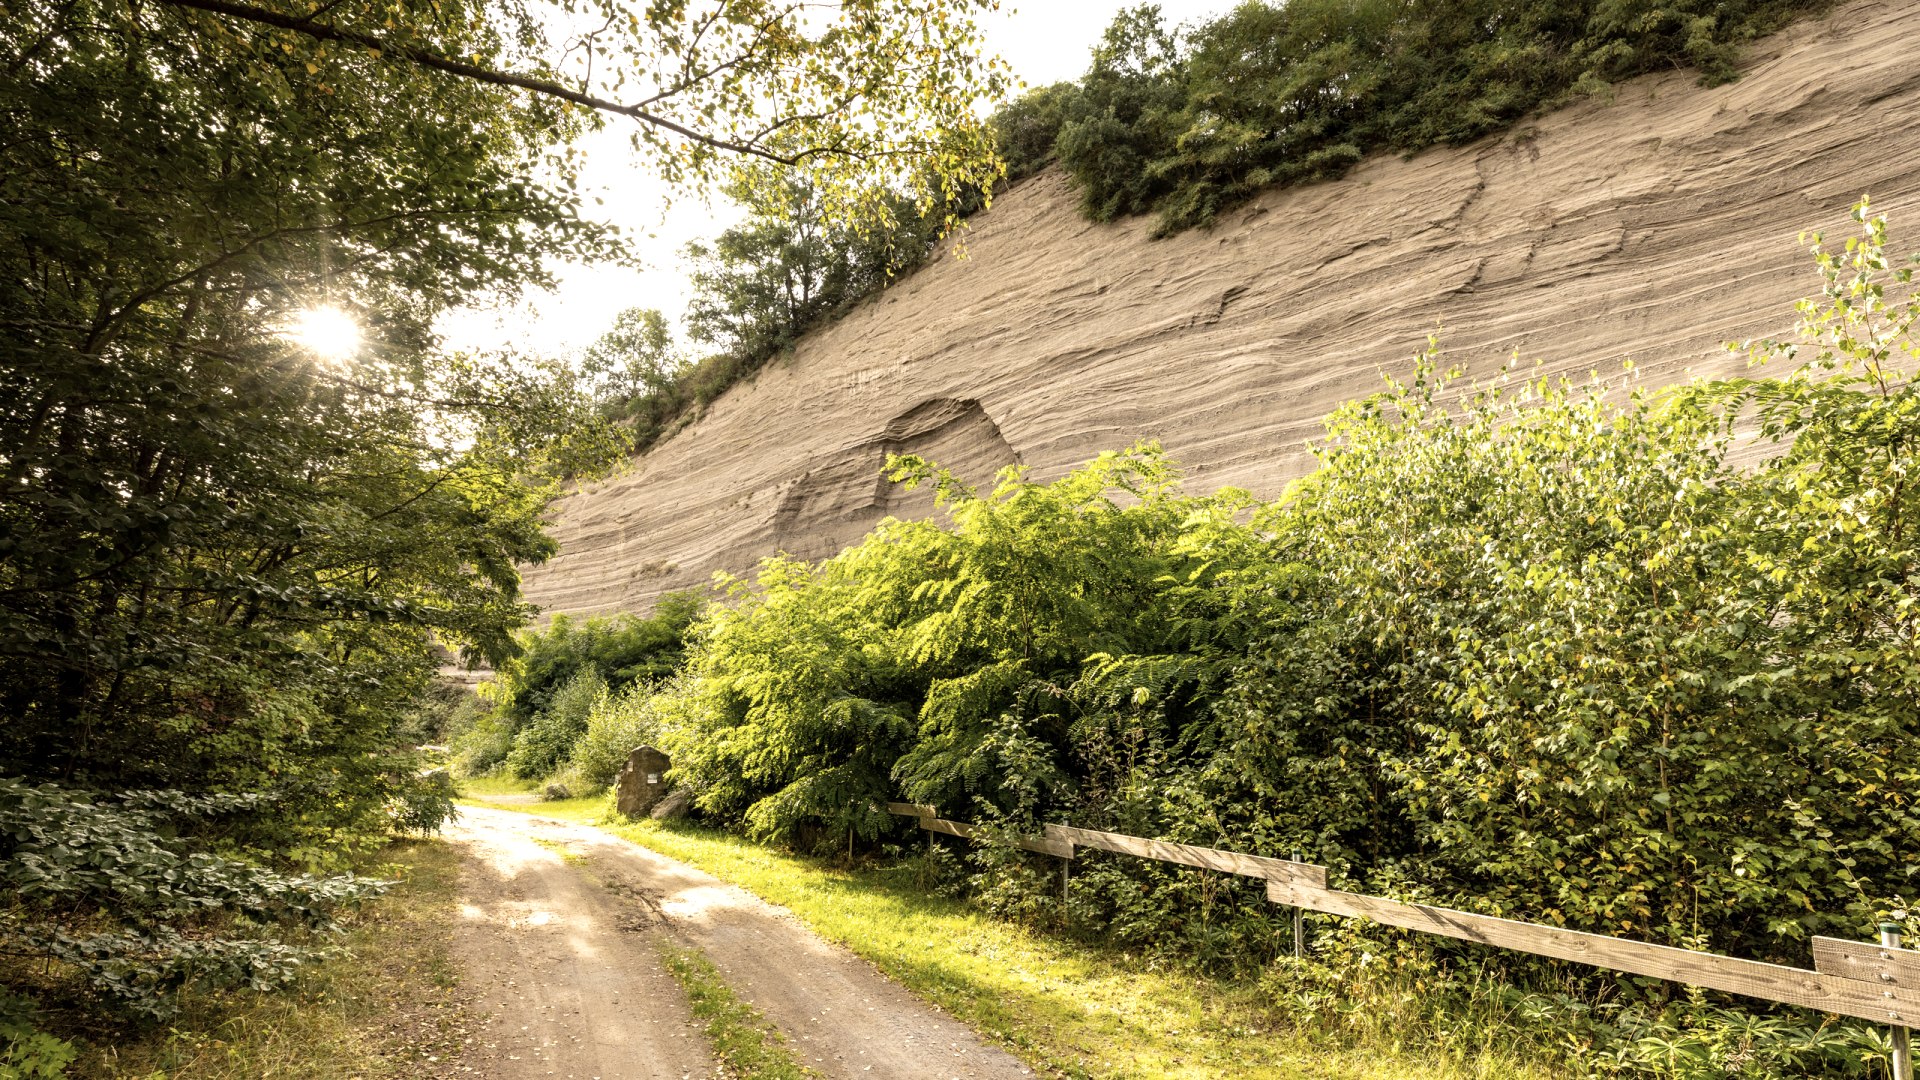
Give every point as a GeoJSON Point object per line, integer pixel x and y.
{"type": "Point", "coordinates": [427, 58]}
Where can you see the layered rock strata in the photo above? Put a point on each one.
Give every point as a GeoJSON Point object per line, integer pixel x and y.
{"type": "Point", "coordinates": [1652, 225]}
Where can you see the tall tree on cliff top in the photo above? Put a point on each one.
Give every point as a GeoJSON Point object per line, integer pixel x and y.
{"type": "Point", "coordinates": [230, 532]}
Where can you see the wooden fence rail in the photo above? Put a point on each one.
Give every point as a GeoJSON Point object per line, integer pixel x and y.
{"type": "Point", "coordinates": [1866, 980]}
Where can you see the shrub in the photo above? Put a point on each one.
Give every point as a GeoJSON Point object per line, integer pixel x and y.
{"type": "Point", "coordinates": [527, 692]}
{"type": "Point", "coordinates": [624, 648]}
{"type": "Point", "coordinates": [424, 801]}
{"type": "Point", "coordinates": [932, 661]}
{"type": "Point", "coordinates": [114, 893]}
{"type": "Point", "coordinates": [480, 742]}
{"type": "Point", "coordinates": [1026, 128]}
{"type": "Point", "coordinates": [26, 1052]}
{"type": "Point", "coordinates": [540, 747]}
{"type": "Point", "coordinates": [617, 724]}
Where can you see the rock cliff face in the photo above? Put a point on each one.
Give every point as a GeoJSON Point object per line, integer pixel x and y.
{"type": "Point", "coordinates": [1651, 227]}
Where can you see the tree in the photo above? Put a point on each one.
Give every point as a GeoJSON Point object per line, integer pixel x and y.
{"type": "Point", "coordinates": [850, 90]}
{"type": "Point", "coordinates": [791, 266]}
{"type": "Point", "coordinates": [636, 356]}
{"type": "Point", "coordinates": [229, 557]}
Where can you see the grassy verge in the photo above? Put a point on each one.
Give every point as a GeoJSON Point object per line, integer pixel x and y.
{"type": "Point", "coordinates": [1068, 1008]}
{"type": "Point", "coordinates": [498, 785]}
{"type": "Point", "coordinates": [749, 1046]}
{"type": "Point", "coordinates": [388, 1009]}
{"type": "Point", "coordinates": [505, 793]}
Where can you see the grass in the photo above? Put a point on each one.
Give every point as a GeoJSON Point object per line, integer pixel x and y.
{"type": "Point", "coordinates": [567, 855]}
{"type": "Point", "coordinates": [486, 790]}
{"type": "Point", "coordinates": [1068, 1008]}
{"type": "Point", "coordinates": [749, 1046]}
{"type": "Point", "coordinates": [498, 785]}
{"type": "Point", "coordinates": [387, 1009]}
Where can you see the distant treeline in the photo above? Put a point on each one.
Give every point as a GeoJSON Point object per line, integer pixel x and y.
{"type": "Point", "coordinates": [1183, 123]}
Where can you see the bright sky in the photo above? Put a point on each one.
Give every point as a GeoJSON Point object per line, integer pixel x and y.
{"type": "Point", "coordinates": [1044, 41]}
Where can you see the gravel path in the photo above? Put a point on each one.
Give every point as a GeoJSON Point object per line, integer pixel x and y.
{"type": "Point", "coordinates": [570, 980]}
{"type": "Point", "coordinates": [843, 1018]}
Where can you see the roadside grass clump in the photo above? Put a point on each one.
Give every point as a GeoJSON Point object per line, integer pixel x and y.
{"type": "Point", "coordinates": [748, 1046]}
{"type": "Point", "coordinates": [484, 791]}
{"type": "Point", "coordinates": [494, 785]}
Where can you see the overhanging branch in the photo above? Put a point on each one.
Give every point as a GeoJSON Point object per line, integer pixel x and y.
{"type": "Point", "coordinates": [427, 58]}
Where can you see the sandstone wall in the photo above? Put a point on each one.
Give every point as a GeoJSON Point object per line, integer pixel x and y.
{"type": "Point", "coordinates": [1653, 227]}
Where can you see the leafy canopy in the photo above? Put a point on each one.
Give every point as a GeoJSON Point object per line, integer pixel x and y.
{"type": "Point", "coordinates": [857, 93]}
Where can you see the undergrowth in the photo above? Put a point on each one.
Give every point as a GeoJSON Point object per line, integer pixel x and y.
{"type": "Point", "coordinates": [387, 1007]}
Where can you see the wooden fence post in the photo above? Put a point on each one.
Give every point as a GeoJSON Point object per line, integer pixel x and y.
{"type": "Point", "coordinates": [1902, 1049]}
{"type": "Point", "coordinates": [1299, 924]}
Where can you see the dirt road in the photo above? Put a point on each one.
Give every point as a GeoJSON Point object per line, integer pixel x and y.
{"type": "Point", "coordinates": [560, 934]}
{"type": "Point", "coordinates": [568, 988]}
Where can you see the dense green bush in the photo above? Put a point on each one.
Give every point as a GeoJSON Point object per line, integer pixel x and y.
{"type": "Point", "coordinates": [617, 723]}
{"type": "Point", "coordinates": [1526, 648]}
{"type": "Point", "coordinates": [934, 653]}
{"type": "Point", "coordinates": [126, 896]}
{"type": "Point", "coordinates": [624, 648]}
{"type": "Point", "coordinates": [542, 699]}
{"type": "Point", "coordinates": [546, 740]}
{"type": "Point", "coordinates": [1026, 128]}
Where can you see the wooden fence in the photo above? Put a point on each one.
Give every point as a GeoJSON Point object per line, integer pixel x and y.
{"type": "Point", "coordinates": [1878, 981]}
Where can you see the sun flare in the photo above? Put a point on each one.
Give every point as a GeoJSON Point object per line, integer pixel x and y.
{"type": "Point", "coordinates": [327, 332]}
